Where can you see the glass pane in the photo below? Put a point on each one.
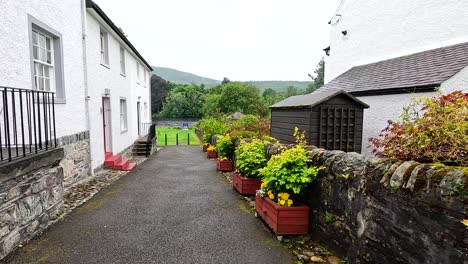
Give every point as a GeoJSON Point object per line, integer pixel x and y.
{"type": "Point", "coordinates": [48, 43]}
{"type": "Point", "coordinates": [47, 84]}
{"type": "Point", "coordinates": [41, 83]}
{"type": "Point", "coordinates": [35, 53]}
{"type": "Point", "coordinates": [36, 82]}
{"type": "Point", "coordinates": [49, 57]}
{"type": "Point", "coordinates": [34, 37]}
{"type": "Point", "coordinates": [42, 41]}
{"type": "Point", "coordinates": [42, 55]}
{"type": "Point", "coordinates": [46, 71]}
{"type": "Point", "coordinates": [38, 69]}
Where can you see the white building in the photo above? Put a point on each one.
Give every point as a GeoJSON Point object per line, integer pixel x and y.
{"type": "Point", "coordinates": [386, 52]}
{"type": "Point", "coordinates": [70, 48]}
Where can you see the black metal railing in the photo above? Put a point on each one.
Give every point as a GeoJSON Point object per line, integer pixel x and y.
{"type": "Point", "coordinates": [27, 122]}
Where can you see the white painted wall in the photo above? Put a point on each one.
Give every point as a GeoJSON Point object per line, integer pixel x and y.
{"type": "Point", "coordinates": [15, 66]}
{"type": "Point", "coordinates": [459, 82]}
{"type": "Point", "coordinates": [379, 30]}
{"type": "Point", "coordinates": [101, 78]}
{"type": "Point", "coordinates": [381, 109]}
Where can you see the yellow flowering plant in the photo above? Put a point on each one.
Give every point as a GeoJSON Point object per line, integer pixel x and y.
{"type": "Point", "coordinates": [211, 148]}
{"type": "Point", "coordinates": [225, 146]}
{"type": "Point", "coordinates": [288, 174]}
{"type": "Point", "coordinates": [251, 157]}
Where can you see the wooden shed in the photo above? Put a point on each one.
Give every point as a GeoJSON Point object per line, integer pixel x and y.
{"type": "Point", "coordinates": [331, 120]}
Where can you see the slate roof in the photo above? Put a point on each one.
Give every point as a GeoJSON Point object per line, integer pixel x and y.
{"type": "Point", "coordinates": [424, 69]}
{"type": "Point", "coordinates": [313, 99]}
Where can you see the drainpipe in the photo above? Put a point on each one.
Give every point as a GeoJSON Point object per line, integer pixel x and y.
{"type": "Point", "coordinates": [85, 73]}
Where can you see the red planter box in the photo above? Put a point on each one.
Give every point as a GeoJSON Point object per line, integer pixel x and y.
{"type": "Point", "coordinates": [245, 186]}
{"type": "Point", "coordinates": [205, 148]}
{"type": "Point", "coordinates": [224, 165]}
{"type": "Point", "coordinates": [283, 220]}
{"type": "Point", "coordinates": [211, 154]}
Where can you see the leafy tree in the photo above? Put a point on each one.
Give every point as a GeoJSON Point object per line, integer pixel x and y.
{"type": "Point", "coordinates": [159, 90]}
{"type": "Point", "coordinates": [291, 91]}
{"type": "Point", "coordinates": [318, 80]}
{"type": "Point", "coordinates": [225, 80]}
{"type": "Point", "coordinates": [184, 101]}
{"type": "Point", "coordinates": [234, 97]}
{"type": "Point", "coordinates": [270, 96]}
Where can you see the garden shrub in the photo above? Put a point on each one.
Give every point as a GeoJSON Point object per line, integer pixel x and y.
{"type": "Point", "coordinates": [225, 147]}
{"type": "Point", "coordinates": [250, 158]}
{"type": "Point", "coordinates": [430, 130]}
{"type": "Point", "coordinates": [250, 126]}
{"type": "Point", "coordinates": [288, 174]}
{"type": "Point", "coordinates": [210, 127]}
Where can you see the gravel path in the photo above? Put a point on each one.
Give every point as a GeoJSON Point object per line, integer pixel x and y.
{"type": "Point", "coordinates": [173, 208]}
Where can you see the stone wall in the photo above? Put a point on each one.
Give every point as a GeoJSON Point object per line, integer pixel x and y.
{"type": "Point", "coordinates": [31, 197]}
{"type": "Point", "coordinates": [77, 160]}
{"type": "Point", "coordinates": [374, 210]}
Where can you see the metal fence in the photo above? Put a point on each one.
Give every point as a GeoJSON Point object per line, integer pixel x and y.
{"type": "Point", "coordinates": [27, 122]}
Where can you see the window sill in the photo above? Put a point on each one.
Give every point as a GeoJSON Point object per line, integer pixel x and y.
{"type": "Point", "coordinates": [123, 131]}
{"type": "Point", "coordinates": [105, 65]}
{"type": "Point", "coordinates": [60, 100]}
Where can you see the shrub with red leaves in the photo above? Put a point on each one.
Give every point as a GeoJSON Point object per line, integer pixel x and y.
{"type": "Point", "coordinates": [430, 130]}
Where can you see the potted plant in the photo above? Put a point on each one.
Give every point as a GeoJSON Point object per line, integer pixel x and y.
{"type": "Point", "coordinates": [250, 158]}
{"type": "Point", "coordinates": [284, 179]}
{"type": "Point", "coordinates": [205, 147]}
{"type": "Point", "coordinates": [225, 148]}
{"type": "Point", "coordinates": [211, 152]}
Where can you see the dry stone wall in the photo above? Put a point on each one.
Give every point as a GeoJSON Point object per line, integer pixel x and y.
{"type": "Point", "coordinates": [77, 158]}
{"type": "Point", "coordinates": [377, 210]}
{"type": "Point", "coordinates": [31, 197]}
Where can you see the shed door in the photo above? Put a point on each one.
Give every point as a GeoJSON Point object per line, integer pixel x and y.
{"type": "Point", "coordinates": [337, 128]}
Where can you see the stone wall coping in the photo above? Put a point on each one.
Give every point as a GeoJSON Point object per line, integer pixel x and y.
{"type": "Point", "coordinates": [30, 163]}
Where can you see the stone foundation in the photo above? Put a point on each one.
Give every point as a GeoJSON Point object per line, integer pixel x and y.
{"type": "Point", "coordinates": [31, 197]}
{"type": "Point", "coordinates": [77, 159]}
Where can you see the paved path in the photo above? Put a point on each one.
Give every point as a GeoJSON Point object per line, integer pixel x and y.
{"type": "Point", "coordinates": [174, 208]}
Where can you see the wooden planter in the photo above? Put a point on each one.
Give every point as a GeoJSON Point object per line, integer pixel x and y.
{"type": "Point", "coordinates": [283, 220]}
{"type": "Point", "coordinates": [245, 186]}
{"type": "Point", "coordinates": [205, 148]}
{"type": "Point", "coordinates": [224, 165]}
{"type": "Point", "coordinates": [211, 154]}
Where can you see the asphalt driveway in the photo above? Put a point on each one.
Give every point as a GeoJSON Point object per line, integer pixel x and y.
{"type": "Point", "coordinates": [173, 208]}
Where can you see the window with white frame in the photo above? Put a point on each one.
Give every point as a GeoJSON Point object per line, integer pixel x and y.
{"type": "Point", "coordinates": [104, 48]}
{"type": "Point", "coordinates": [43, 60]}
{"type": "Point", "coordinates": [45, 45]}
{"type": "Point", "coordinates": [122, 61]}
{"type": "Point", "coordinates": [123, 115]}
{"type": "Point", "coordinates": [138, 73]}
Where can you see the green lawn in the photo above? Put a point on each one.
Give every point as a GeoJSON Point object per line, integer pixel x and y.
{"type": "Point", "coordinates": [171, 133]}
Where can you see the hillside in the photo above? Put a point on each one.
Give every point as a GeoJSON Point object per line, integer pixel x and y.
{"type": "Point", "coordinates": [176, 76]}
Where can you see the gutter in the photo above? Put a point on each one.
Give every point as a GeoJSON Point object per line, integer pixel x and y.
{"type": "Point", "coordinates": [86, 89]}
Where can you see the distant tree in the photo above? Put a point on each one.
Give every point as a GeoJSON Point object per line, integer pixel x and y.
{"type": "Point", "coordinates": [184, 101]}
{"type": "Point", "coordinates": [270, 96]}
{"type": "Point", "coordinates": [225, 80]}
{"type": "Point", "coordinates": [159, 90]}
{"type": "Point", "coordinates": [292, 91]}
{"type": "Point", "coordinates": [318, 79]}
{"type": "Point", "coordinates": [234, 97]}
{"type": "Point", "coordinates": [123, 33]}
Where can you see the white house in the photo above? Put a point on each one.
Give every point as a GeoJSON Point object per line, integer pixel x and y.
{"type": "Point", "coordinates": [67, 70]}
{"type": "Point", "coordinates": [386, 52]}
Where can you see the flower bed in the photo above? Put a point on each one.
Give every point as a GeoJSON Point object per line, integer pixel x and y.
{"type": "Point", "coordinates": [224, 165]}
{"type": "Point", "coordinates": [283, 220]}
{"type": "Point", "coordinates": [245, 186]}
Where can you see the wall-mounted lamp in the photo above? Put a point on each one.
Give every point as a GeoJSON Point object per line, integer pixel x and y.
{"type": "Point", "coordinates": [327, 50]}
{"type": "Point", "coordinates": [344, 32]}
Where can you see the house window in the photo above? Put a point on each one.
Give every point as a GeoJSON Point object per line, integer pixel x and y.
{"type": "Point", "coordinates": [138, 73]}
{"type": "Point", "coordinates": [122, 61]}
{"type": "Point", "coordinates": [46, 59]}
{"type": "Point", "coordinates": [43, 57]}
{"type": "Point", "coordinates": [144, 82]}
{"type": "Point", "coordinates": [104, 48]}
{"type": "Point", "coordinates": [123, 115]}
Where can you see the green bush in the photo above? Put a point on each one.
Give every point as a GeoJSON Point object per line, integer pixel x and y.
{"type": "Point", "coordinates": [430, 130]}
{"type": "Point", "coordinates": [225, 146]}
{"type": "Point", "coordinates": [250, 158]}
{"type": "Point", "coordinates": [210, 127]}
{"type": "Point", "coordinates": [250, 126]}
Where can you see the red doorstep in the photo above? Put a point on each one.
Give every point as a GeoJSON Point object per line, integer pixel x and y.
{"type": "Point", "coordinates": [283, 220]}
{"type": "Point", "coordinates": [245, 186]}
{"type": "Point", "coordinates": [118, 163]}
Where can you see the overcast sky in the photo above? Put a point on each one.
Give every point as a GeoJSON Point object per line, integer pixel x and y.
{"type": "Point", "coordinates": [240, 39]}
